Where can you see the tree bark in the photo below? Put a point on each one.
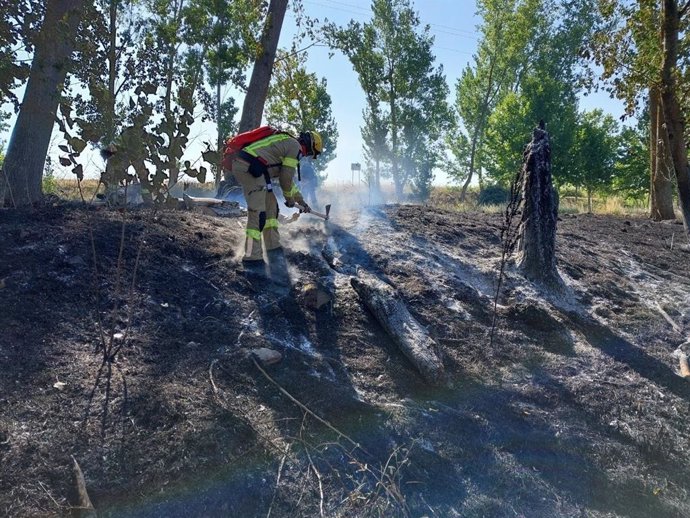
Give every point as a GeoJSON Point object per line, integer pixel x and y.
{"type": "Point", "coordinates": [661, 186]}
{"type": "Point", "coordinates": [675, 120]}
{"type": "Point", "coordinates": [407, 333]}
{"type": "Point", "coordinates": [28, 146]}
{"type": "Point", "coordinates": [254, 101]}
{"type": "Point", "coordinates": [537, 232]}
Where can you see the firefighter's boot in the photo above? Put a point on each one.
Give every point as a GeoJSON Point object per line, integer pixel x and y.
{"type": "Point", "coordinates": [278, 267]}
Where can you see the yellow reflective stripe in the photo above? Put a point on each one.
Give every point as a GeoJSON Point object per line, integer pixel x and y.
{"type": "Point", "coordinates": [253, 148]}
{"type": "Point", "coordinates": [271, 223]}
{"type": "Point", "coordinates": [290, 162]}
{"type": "Point", "coordinates": [254, 234]}
{"type": "Point", "coordinates": [292, 192]}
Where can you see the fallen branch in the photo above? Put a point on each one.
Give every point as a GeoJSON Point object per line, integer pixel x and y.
{"type": "Point", "coordinates": [49, 495]}
{"type": "Point", "coordinates": [666, 316]}
{"type": "Point", "coordinates": [392, 313]}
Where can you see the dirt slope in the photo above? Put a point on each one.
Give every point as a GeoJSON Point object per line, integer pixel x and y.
{"type": "Point", "coordinates": [576, 410]}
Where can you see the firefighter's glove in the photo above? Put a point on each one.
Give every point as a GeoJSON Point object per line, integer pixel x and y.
{"type": "Point", "coordinates": [289, 202]}
{"type": "Point", "coordinates": [304, 207]}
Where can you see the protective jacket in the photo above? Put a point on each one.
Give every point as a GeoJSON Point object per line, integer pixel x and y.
{"type": "Point", "coordinates": [277, 156]}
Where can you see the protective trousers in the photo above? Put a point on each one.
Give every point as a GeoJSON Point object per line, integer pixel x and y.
{"type": "Point", "coordinates": [262, 213]}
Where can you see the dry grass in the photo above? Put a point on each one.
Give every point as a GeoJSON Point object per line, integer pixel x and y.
{"type": "Point", "coordinates": [448, 198]}
{"type": "Point", "coordinates": [442, 197]}
{"type": "Point", "coordinates": [69, 189]}
{"type": "Point", "coordinates": [612, 205]}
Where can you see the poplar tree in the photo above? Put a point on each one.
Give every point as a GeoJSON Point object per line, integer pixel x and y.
{"type": "Point", "coordinates": [299, 101]}
{"type": "Point", "coordinates": [545, 90]}
{"type": "Point", "coordinates": [628, 48]}
{"type": "Point", "coordinates": [505, 30]}
{"type": "Point", "coordinates": [409, 94]}
{"type": "Point", "coordinates": [28, 145]}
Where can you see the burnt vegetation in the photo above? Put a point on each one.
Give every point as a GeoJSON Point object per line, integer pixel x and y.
{"type": "Point", "coordinates": [130, 343]}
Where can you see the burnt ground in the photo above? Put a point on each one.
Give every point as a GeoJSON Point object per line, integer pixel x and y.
{"type": "Point", "coordinates": [576, 409]}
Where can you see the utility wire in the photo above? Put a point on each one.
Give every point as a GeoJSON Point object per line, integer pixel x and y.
{"type": "Point", "coordinates": [443, 29]}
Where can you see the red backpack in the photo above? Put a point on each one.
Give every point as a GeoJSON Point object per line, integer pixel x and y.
{"type": "Point", "coordinates": [235, 144]}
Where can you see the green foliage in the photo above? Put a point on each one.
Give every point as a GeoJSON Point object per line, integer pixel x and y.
{"type": "Point", "coordinates": [228, 31]}
{"type": "Point", "coordinates": [299, 101]}
{"type": "Point", "coordinates": [50, 183]}
{"type": "Point", "coordinates": [627, 49]}
{"type": "Point", "coordinates": [506, 30]}
{"type": "Point", "coordinates": [19, 22]}
{"type": "Point", "coordinates": [546, 91]}
{"type": "Point", "coordinates": [406, 114]}
{"type": "Point", "coordinates": [631, 170]}
{"type": "Point", "coordinates": [493, 195]}
{"type": "Point", "coordinates": [595, 149]}
{"type": "Point", "coordinates": [144, 69]}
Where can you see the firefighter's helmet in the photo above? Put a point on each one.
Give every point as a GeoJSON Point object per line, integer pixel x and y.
{"type": "Point", "coordinates": [312, 143]}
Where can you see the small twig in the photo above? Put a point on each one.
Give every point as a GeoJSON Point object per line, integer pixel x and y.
{"type": "Point", "coordinates": [318, 476]}
{"type": "Point", "coordinates": [202, 279]}
{"type": "Point", "coordinates": [210, 375]}
{"type": "Point", "coordinates": [508, 243]}
{"type": "Point", "coordinates": [49, 495]}
{"type": "Point", "coordinates": [280, 472]}
{"type": "Point", "coordinates": [675, 326]}
{"type": "Point", "coordinates": [306, 409]}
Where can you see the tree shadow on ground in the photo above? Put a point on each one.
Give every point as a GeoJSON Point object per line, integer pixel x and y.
{"type": "Point", "coordinates": [623, 351]}
{"type": "Point", "coordinates": [510, 461]}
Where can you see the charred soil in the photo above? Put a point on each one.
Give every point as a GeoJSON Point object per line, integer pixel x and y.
{"type": "Point", "coordinates": [127, 343]}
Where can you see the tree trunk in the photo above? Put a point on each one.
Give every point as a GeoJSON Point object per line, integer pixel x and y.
{"type": "Point", "coordinates": [407, 333]}
{"type": "Point", "coordinates": [109, 115]}
{"type": "Point", "coordinates": [220, 139]}
{"type": "Point", "coordinates": [399, 185]}
{"type": "Point", "coordinates": [254, 101]}
{"type": "Point", "coordinates": [478, 130]}
{"type": "Point", "coordinates": [661, 187]}
{"type": "Point", "coordinates": [28, 146]}
{"type": "Point", "coordinates": [470, 174]}
{"type": "Point", "coordinates": [537, 242]}
{"type": "Point", "coordinates": [675, 121]}
{"type": "Point", "coordinates": [589, 201]}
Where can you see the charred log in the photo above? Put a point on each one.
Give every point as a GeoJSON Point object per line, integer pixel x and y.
{"type": "Point", "coordinates": [407, 333]}
{"type": "Point", "coordinates": [330, 254]}
{"type": "Point", "coordinates": [539, 214]}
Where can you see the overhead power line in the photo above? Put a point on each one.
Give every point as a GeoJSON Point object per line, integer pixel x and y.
{"type": "Point", "coordinates": [366, 13]}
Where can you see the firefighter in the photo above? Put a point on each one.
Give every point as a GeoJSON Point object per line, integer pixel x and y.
{"type": "Point", "coordinates": [255, 167]}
